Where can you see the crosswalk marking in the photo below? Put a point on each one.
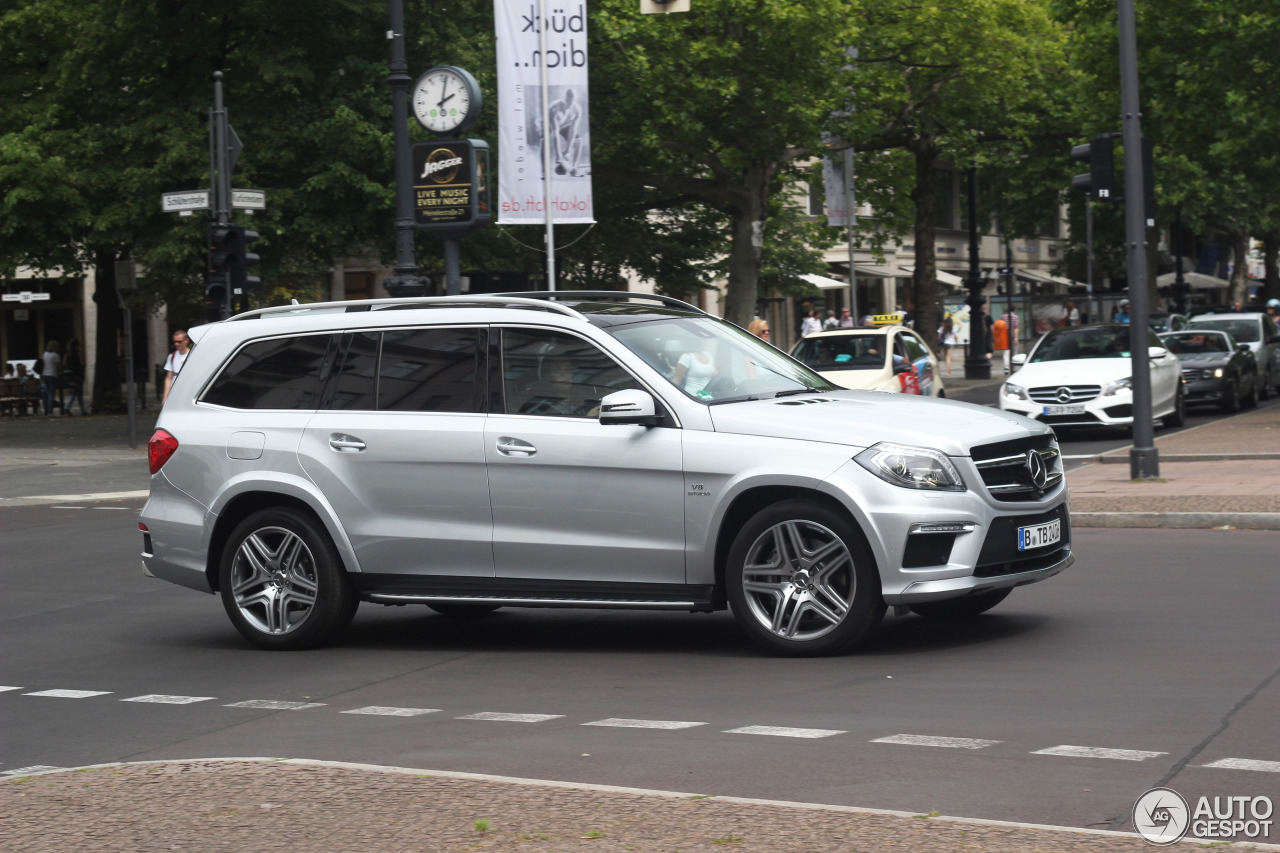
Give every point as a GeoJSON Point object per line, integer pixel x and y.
{"type": "Point", "coordinates": [932, 740]}
{"type": "Point", "coordinates": [3, 689]}
{"type": "Point", "coordinates": [69, 694]}
{"type": "Point", "coordinates": [164, 699]}
{"type": "Point", "coordinates": [511, 718]}
{"type": "Point", "coordinates": [384, 711]}
{"type": "Point", "coordinates": [275, 705]}
{"type": "Point", "coordinates": [1099, 752]}
{"type": "Point", "coordinates": [23, 771]}
{"type": "Point", "coordinates": [617, 723]}
{"type": "Point", "coordinates": [1244, 764]}
{"type": "Point", "coordinates": [783, 731]}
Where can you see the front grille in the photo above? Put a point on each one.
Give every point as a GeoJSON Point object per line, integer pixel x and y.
{"type": "Point", "coordinates": [1004, 471]}
{"type": "Point", "coordinates": [1192, 375]}
{"type": "Point", "coordinates": [1060, 394]}
{"type": "Point", "coordinates": [1000, 555]}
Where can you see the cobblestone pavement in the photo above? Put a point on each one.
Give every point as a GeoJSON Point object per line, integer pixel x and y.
{"type": "Point", "coordinates": [240, 805]}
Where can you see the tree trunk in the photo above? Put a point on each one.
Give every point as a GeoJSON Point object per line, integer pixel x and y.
{"type": "Point", "coordinates": [747, 228]}
{"type": "Point", "coordinates": [1239, 239]}
{"type": "Point", "coordinates": [924, 281]}
{"type": "Point", "coordinates": [106, 374]}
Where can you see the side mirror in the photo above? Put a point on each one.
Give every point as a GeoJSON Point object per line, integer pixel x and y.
{"type": "Point", "coordinates": [631, 406]}
{"type": "Point", "coordinates": [1020, 359]}
{"type": "Point", "coordinates": [1274, 339]}
{"type": "Point", "coordinates": [902, 367]}
{"type": "Point", "coordinates": [1247, 348]}
{"type": "Point", "coordinates": [1157, 352]}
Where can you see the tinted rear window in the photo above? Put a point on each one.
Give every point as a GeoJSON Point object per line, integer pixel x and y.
{"type": "Point", "coordinates": [283, 373]}
{"type": "Point", "coordinates": [429, 370]}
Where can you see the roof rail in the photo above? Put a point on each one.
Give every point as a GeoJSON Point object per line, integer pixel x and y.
{"type": "Point", "coordinates": [497, 301]}
{"type": "Point", "coordinates": [619, 295]}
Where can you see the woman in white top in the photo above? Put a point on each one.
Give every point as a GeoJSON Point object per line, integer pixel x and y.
{"type": "Point", "coordinates": [947, 340]}
{"type": "Point", "coordinates": [810, 325]}
{"type": "Point", "coordinates": [694, 371]}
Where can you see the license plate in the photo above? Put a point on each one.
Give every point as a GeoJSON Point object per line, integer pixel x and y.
{"type": "Point", "coordinates": [1039, 535]}
{"type": "Point", "coordinates": [1064, 410]}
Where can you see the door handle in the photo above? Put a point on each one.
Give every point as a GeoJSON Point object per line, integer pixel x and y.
{"type": "Point", "coordinates": [345, 443]}
{"type": "Point", "coordinates": [509, 446]}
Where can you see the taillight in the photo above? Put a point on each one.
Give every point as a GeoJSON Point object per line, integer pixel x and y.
{"type": "Point", "coordinates": [161, 446]}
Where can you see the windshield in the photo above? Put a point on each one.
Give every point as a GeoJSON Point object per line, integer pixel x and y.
{"type": "Point", "coordinates": [1191, 343]}
{"type": "Point", "coordinates": [1067, 344]}
{"type": "Point", "coordinates": [1245, 331]}
{"type": "Point", "coordinates": [842, 352]}
{"type": "Point", "coordinates": [716, 362]}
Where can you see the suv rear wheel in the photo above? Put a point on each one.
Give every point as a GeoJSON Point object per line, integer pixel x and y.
{"type": "Point", "coordinates": [282, 582]}
{"type": "Point", "coordinates": [802, 581]}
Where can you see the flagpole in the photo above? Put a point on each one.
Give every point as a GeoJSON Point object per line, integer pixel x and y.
{"type": "Point", "coordinates": [546, 145]}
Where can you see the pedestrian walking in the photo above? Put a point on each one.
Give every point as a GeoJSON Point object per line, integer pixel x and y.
{"type": "Point", "coordinates": [846, 319]}
{"type": "Point", "coordinates": [947, 340]}
{"type": "Point", "coordinates": [811, 324]}
{"type": "Point", "coordinates": [73, 376]}
{"type": "Point", "coordinates": [173, 364]}
{"type": "Point", "coordinates": [50, 367]}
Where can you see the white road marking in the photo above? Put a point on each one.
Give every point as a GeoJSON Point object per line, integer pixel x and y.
{"type": "Point", "coordinates": [36, 500]}
{"type": "Point", "coordinates": [120, 508]}
{"type": "Point", "coordinates": [69, 694]}
{"type": "Point", "coordinates": [782, 731]}
{"type": "Point", "coordinates": [615, 722]}
{"type": "Point", "coordinates": [511, 718]}
{"type": "Point", "coordinates": [275, 705]}
{"type": "Point", "coordinates": [384, 711]}
{"type": "Point", "coordinates": [68, 507]}
{"type": "Point", "coordinates": [164, 699]}
{"type": "Point", "coordinates": [1099, 752]}
{"type": "Point", "coordinates": [1244, 764]}
{"type": "Point", "coordinates": [3, 689]}
{"type": "Point", "coordinates": [931, 740]}
{"type": "Point", "coordinates": [35, 768]}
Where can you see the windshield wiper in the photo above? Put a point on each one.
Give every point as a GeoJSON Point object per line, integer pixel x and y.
{"type": "Point", "coordinates": [794, 391]}
{"type": "Point", "coordinates": [746, 399]}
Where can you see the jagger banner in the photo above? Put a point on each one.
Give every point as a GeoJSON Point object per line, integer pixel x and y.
{"type": "Point", "coordinates": [521, 194]}
{"type": "Point", "coordinates": [450, 185]}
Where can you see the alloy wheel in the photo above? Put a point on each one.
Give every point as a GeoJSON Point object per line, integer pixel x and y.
{"type": "Point", "coordinates": [273, 580]}
{"type": "Point", "coordinates": [799, 580]}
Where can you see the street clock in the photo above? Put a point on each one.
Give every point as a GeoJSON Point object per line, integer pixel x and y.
{"type": "Point", "coordinates": [446, 100]}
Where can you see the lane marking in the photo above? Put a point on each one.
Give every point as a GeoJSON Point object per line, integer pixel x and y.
{"type": "Point", "coordinates": [1099, 752]}
{"type": "Point", "coordinates": [69, 694]}
{"type": "Point", "coordinates": [932, 740]}
{"type": "Point", "coordinates": [275, 705]}
{"type": "Point", "coordinates": [3, 689]}
{"type": "Point", "coordinates": [385, 711]}
{"type": "Point", "coordinates": [116, 508]}
{"type": "Point", "coordinates": [35, 768]}
{"type": "Point", "coordinates": [782, 731]}
{"type": "Point", "coordinates": [617, 723]}
{"type": "Point", "coordinates": [36, 500]}
{"type": "Point", "coordinates": [1244, 764]}
{"type": "Point", "coordinates": [68, 507]}
{"type": "Point", "coordinates": [511, 718]}
{"type": "Point", "coordinates": [165, 699]}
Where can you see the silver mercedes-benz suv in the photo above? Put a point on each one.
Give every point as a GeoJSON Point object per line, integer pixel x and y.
{"type": "Point", "coordinates": [578, 449]}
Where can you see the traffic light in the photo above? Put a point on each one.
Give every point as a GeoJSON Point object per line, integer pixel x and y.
{"type": "Point", "coordinates": [1100, 155]}
{"type": "Point", "coordinates": [1148, 182]}
{"type": "Point", "coordinates": [217, 281]}
{"type": "Point", "coordinates": [242, 259]}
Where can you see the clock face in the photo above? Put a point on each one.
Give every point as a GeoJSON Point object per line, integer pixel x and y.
{"type": "Point", "coordinates": [442, 100]}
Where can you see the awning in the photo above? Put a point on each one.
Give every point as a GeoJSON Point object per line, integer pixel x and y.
{"type": "Point", "coordinates": [942, 277]}
{"type": "Point", "coordinates": [821, 281]}
{"type": "Point", "coordinates": [1197, 280]}
{"type": "Point", "coordinates": [1036, 276]}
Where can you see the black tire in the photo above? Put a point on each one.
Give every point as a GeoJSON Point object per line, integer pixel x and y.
{"type": "Point", "coordinates": [1250, 400]}
{"type": "Point", "coordinates": [1178, 416]}
{"type": "Point", "coordinates": [1264, 388]}
{"type": "Point", "coordinates": [828, 602]}
{"type": "Point", "coordinates": [962, 608]}
{"type": "Point", "coordinates": [1231, 397]}
{"type": "Point", "coordinates": [282, 582]}
{"type": "Point", "coordinates": [459, 610]}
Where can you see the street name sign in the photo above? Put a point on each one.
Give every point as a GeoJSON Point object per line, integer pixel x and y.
{"type": "Point", "coordinates": [190, 200]}
{"type": "Point", "coordinates": [26, 296]}
{"type": "Point", "coordinates": [249, 199]}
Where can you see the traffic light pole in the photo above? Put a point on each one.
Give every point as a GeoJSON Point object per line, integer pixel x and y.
{"type": "Point", "coordinates": [1144, 458]}
{"type": "Point", "coordinates": [406, 281]}
{"type": "Point", "coordinates": [976, 363]}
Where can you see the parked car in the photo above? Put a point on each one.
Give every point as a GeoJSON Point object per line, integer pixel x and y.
{"type": "Point", "coordinates": [1215, 369]}
{"type": "Point", "coordinates": [1259, 332]}
{"type": "Point", "coordinates": [1161, 322]}
{"type": "Point", "coordinates": [470, 453]}
{"type": "Point", "coordinates": [1082, 376]}
{"type": "Point", "coordinates": [887, 358]}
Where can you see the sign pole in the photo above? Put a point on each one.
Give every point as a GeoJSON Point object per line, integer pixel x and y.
{"type": "Point", "coordinates": [546, 145]}
{"type": "Point", "coordinates": [406, 281]}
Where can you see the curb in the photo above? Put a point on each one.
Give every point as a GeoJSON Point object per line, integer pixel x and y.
{"type": "Point", "coordinates": [641, 792]}
{"type": "Point", "coordinates": [1180, 520]}
{"type": "Point", "coordinates": [1113, 457]}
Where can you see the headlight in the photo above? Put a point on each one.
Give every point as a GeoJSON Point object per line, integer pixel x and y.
{"type": "Point", "coordinates": [911, 467]}
{"type": "Point", "coordinates": [1017, 392]}
{"type": "Point", "coordinates": [1119, 385]}
{"type": "Point", "coordinates": [1217, 374]}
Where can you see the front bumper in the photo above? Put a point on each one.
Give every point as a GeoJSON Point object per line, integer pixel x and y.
{"type": "Point", "coordinates": [1206, 390]}
{"type": "Point", "coordinates": [1114, 410]}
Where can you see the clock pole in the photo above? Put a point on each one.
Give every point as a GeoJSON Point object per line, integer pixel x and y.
{"type": "Point", "coordinates": [406, 281]}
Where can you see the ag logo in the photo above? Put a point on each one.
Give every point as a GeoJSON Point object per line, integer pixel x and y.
{"type": "Point", "coordinates": [441, 166]}
{"type": "Point", "coordinates": [1161, 816]}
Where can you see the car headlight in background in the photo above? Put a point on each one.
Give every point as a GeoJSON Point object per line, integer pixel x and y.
{"type": "Point", "coordinates": [1015, 392]}
{"type": "Point", "coordinates": [911, 467]}
{"type": "Point", "coordinates": [1217, 374]}
{"type": "Point", "coordinates": [1119, 385]}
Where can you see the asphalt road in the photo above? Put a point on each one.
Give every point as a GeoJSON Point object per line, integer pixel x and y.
{"type": "Point", "coordinates": [1162, 645]}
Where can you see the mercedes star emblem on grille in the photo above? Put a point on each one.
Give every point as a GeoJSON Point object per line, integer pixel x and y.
{"type": "Point", "coordinates": [1064, 394]}
{"type": "Point", "coordinates": [1036, 470]}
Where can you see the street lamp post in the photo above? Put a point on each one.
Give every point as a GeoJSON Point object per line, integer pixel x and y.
{"type": "Point", "coordinates": [406, 281]}
{"type": "Point", "coordinates": [976, 363]}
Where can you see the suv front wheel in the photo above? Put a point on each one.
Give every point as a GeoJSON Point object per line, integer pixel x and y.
{"type": "Point", "coordinates": [282, 582]}
{"type": "Point", "coordinates": [801, 580]}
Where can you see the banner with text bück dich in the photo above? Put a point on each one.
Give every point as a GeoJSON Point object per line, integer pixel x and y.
{"type": "Point", "coordinates": [521, 194]}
